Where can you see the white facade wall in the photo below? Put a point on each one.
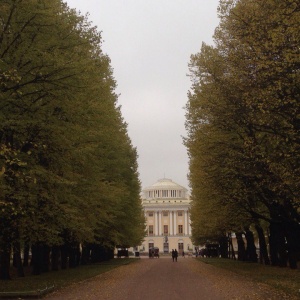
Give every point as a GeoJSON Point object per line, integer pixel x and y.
{"type": "Point", "coordinates": [166, 205]}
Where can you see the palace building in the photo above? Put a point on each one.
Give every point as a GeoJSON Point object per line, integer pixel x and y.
{"type": "Point", "coordinates": [166, 206]}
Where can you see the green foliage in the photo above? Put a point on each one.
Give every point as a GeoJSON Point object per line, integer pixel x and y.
{"type": "Point", "coordinates": [67, 164]}
{"type": "Point", "coordinates": [243, 118]}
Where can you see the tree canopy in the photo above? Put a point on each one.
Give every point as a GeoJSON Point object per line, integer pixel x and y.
{"type": "Point", "coordinates": [243, 120]}
{"type": "Point", "coordinates": [67, 163]}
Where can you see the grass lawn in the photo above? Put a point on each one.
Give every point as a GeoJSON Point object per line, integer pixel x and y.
{"type": "Point", "coordinates": [60, 278]}
{"type": "Point", "coordinates": [283, 279]}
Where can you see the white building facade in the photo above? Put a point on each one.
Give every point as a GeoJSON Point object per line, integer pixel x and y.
{"type": "Point", "coordinates": [167, 211]}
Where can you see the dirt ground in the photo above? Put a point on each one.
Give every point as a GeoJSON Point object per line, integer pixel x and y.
{"type": "Point", "coordinates": [160, 278]}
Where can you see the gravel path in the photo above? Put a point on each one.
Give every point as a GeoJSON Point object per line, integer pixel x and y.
{"type": "Point", "coordinates": [161, 278]}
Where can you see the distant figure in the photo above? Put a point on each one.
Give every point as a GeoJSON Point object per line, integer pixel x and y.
{"type": "Point", "coordinates": [183, 254]}
{"type": "Point", "coordinates": [175, 254]}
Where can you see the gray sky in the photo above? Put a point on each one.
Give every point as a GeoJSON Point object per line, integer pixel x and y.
{"type": "Point", "coordinates": [150, 43]}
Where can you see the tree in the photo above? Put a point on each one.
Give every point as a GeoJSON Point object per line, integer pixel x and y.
{"type": "Point", "coordinates": [58, 161]}
{"type": "Point", "coordinates": [245, 100]}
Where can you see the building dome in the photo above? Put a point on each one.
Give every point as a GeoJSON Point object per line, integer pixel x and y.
{"type": "Point", "coordinates": [165, 188]}
{"type": "Point", "coordinates": [165, 183]}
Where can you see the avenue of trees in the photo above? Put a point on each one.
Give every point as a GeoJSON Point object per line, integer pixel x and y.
{"type": "Point", "coordinates": [69, 187]}
{"type": "Point", "coordinates": [243, 123]}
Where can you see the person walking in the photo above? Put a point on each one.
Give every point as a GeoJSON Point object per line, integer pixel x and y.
{"type": "Point", "coordinates": [183, 254]}
{"type": "Point", "coordinates": [175, 254]}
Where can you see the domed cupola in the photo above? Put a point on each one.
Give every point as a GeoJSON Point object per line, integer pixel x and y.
{"type": "Point", "coordinates": [165, 189]}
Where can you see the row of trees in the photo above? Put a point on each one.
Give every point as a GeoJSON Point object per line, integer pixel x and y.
{"type": "Point", "coordinates": [243, 123]}
{"type": "Point", "coordinates": [68, 170]}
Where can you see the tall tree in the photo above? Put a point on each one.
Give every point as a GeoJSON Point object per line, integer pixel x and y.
{"type": "Point", "coordinates": [246, 100]}
{"type": "Point", "coordinates": [59, 112]}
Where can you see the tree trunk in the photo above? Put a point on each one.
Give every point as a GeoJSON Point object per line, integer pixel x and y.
{"type": "Point", "coordinates": [264, 257]}
{"type": "Point", "coordinates": [94, 254]}
{"type": "Point", "coordinates": [278, 249]}
{"type": "Point", "coordinates": [293, 244]}
{"type": "Point", "coordinates": [14, 258]}
{"type": "Point", "coordinates": [223, 241]}
{"type": "Point", "coordinates": [26, 255]}
{"type": "Point", "coordinates": [78, 255]}
{"type": "Point", "coordinates": [64, 256]}
{"type": "Point", "coordinates": [18, 260]}
{"type": "Point", "coordinates": [283, 255]}
{"type": "Point", "coordinates": [241, 246]}
{"type": "Point", "coordinates": [37, 259]}
{"type": "Point", "coordinates": [72, 256]}
{"type": "Point", "coordinates": [231, 248]}
{"type": "Point", "coordinates": [5, 262]}
{"type": "Point", "coordinates": [55, 255]}
{"type": "Point", "coordinates": [273, 245]}
{"type": "Point", "coordinates": [46, 258]}
{"type": "Point", "coordinates": [85, 256]}
{"type": "Point", "coordinates": [251, 248]}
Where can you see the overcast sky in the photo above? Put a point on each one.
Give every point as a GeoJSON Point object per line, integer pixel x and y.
{"type": "Point", "coordinates": [150, 43]}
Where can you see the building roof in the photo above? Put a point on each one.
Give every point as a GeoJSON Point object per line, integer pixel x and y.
{"type": "Point", "coordinates": [165, 183]}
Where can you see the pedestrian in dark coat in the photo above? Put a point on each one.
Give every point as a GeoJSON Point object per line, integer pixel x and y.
{"type": "Point", "coordinates": [176, 254]}
{"type": "Point", "coordinates": [173, 255]}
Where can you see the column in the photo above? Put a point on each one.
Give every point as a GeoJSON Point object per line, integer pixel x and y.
{"type": "Point", "coordinates": [171, 222]}
{"type": "Point", "coordinates": [159, 222]}
{"type": "Point", "coordinates": [155, 223]}
{"type": "Point", "coordinates": [185, 223]}
{"type": "Point", "coordinates": [175, 223]}
{"type": "Point", "coordinates": [190, 228]}
{"type": "Point", "coordinates": [188, 222]}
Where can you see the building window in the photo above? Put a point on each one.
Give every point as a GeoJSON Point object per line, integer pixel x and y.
{"type": "Point", "coordinates": [150, 214]}
{"type": "Point", "coordinates": [180, 248]}
{"type": "Point", "coordinates": [150, 230]}
{"type": "Point", "coordinates": [180, 214]}
{"type": "Point", "coordinates": [180, 229]}
{"type": "Point", "coordinates": [165, 213]}
{"type": "Point", "coordinates": [166, 247]}
{"type": "Point", "coordinates": [166, 229]}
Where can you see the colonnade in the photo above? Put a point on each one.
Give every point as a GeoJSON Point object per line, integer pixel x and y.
{"type": "Point", "coordinates": [153, 194]}
{"type": "Point", "coordinates": [172, 220]}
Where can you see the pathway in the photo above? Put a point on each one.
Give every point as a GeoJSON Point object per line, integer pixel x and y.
{"type": "Point", "coordinates": [162, 279]}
